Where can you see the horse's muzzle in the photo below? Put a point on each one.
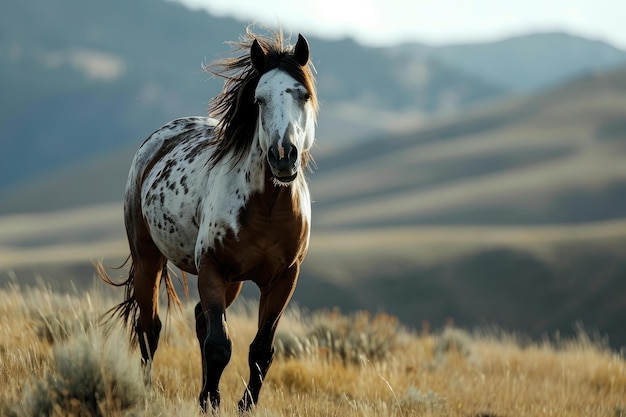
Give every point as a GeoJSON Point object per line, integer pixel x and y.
{"type": "Point", "coordinates": [283, 161]}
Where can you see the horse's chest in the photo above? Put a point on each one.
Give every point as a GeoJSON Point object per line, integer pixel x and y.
{"type": "Point", "coordinates": [267, 243]}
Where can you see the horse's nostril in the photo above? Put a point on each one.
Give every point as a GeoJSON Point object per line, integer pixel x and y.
{"type": "Point", "coordinates": [292, 155]}
{"type": "Point", "coordinates": [272, 155]}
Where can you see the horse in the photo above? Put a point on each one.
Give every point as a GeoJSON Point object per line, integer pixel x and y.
{"type": "Point", "coordinates": [225, 198]}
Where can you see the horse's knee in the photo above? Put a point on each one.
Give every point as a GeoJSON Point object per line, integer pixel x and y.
{"type": "Point", "coordinates": [217, 352]}
{"type": "Point", "coordinates": [215, 355]}
{"type": "Point", "coordinates": [215, 344]}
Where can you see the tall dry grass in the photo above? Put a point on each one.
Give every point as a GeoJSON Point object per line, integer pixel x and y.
{"type": "Point", "coordinates": [55, 361]}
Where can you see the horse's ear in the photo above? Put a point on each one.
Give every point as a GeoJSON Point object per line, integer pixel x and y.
{"type": "Point", "coordinates": [258, 57]}
{"type": "Point", "coordinates": [301, 51]}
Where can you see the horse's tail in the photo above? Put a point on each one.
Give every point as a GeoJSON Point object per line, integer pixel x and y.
{"type": "Point", "coordinates": [128, 310]}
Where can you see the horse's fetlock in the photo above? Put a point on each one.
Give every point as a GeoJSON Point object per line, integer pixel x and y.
{"type": "Point", "coordinates": [148, 340]}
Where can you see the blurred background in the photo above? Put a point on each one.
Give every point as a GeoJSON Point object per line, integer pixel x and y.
{"type": "Point", "coordinates": [471, 159]}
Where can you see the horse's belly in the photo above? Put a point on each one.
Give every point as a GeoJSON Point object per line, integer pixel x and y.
{"type": "Point", "coordinates": [170, 217]}
{"type": "Point", "coordinates": [178, 248]}
{"type": "Point", "coordinates": [176, 240]}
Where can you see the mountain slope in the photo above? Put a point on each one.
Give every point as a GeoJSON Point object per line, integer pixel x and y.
{"type": "Point", "coordinates": [83, 77]}
{"type": "Point", "coordinates": [529, 62]}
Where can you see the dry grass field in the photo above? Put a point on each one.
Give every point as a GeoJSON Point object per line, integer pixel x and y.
{"type": "Point", "coordinates": [54, 361]}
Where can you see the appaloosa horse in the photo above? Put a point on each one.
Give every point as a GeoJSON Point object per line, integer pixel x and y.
{"type": "Point", "coordinates": [225, 197]}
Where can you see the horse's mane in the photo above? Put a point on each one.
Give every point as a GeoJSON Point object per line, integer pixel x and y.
{"type": "Point", "coordinates": [234, 107]}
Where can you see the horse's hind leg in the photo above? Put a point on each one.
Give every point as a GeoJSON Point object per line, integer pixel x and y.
{"type": "Point", "coordinates": [149, 264]}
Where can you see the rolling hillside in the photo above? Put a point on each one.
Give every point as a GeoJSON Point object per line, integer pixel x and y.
{"type": "Point", "coordinates": [513, 214]}
{"type": "Point", "coordinates": [556, 157]}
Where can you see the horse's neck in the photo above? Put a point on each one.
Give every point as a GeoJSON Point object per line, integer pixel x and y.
{"type": "Point", "coordinates": [252, 168]}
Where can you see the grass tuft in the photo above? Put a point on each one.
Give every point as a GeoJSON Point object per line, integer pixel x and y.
{"type": "Point", "coordinates": [61, 325]}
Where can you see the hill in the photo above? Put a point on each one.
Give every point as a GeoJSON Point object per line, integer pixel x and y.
{"type": "Point", "coordinates": [81, 78]}
{"type": "Point", "coordinates": [555, 157]}
{"type": "Point", "coordinates": [527, 63]}
{"type": "Point", "coordinates": [535, 280]}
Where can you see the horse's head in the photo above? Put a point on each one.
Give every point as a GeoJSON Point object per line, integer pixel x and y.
{"type": "Point", "coordinates": [287, 109]}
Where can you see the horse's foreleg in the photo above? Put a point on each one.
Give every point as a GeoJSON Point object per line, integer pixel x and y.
{"type": "Point", "coordinates": [215, 343]}
{"type": "Point", "coordinates": [274, 299]}
{"type": "Point", "coordinates": [201, 324]}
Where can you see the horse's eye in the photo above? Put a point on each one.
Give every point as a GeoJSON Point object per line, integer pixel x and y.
{"type": "Point", "coordinates": [259, 101]}
{"type": "Point", "coordinates": [305, 96]}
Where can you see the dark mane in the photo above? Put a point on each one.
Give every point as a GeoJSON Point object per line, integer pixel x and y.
{"type": "Point", "coordinates": [234, 107]}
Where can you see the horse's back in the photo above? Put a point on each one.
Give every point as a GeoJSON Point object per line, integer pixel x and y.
{"type": "Point", "coordinates": [163, 140]}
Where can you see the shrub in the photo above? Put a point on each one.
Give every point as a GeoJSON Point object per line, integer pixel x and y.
{"type": "Point", "coordinates": [89, 376]}
{"type": "Point", "coordinates": [352, 339]}
{"type": "Point", "coordinates": [453, 341]}
{"type": "Point", "coordinates": [422, 402]}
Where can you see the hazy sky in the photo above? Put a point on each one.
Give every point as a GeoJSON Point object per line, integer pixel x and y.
{"type": "Point", "coordinates": [385, 22]}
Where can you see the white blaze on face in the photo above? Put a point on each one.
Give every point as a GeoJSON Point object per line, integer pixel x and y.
{"type": "Point", "coordinates": [283, 102]}
{"type": "Point", "coordinates": [281, 150]}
